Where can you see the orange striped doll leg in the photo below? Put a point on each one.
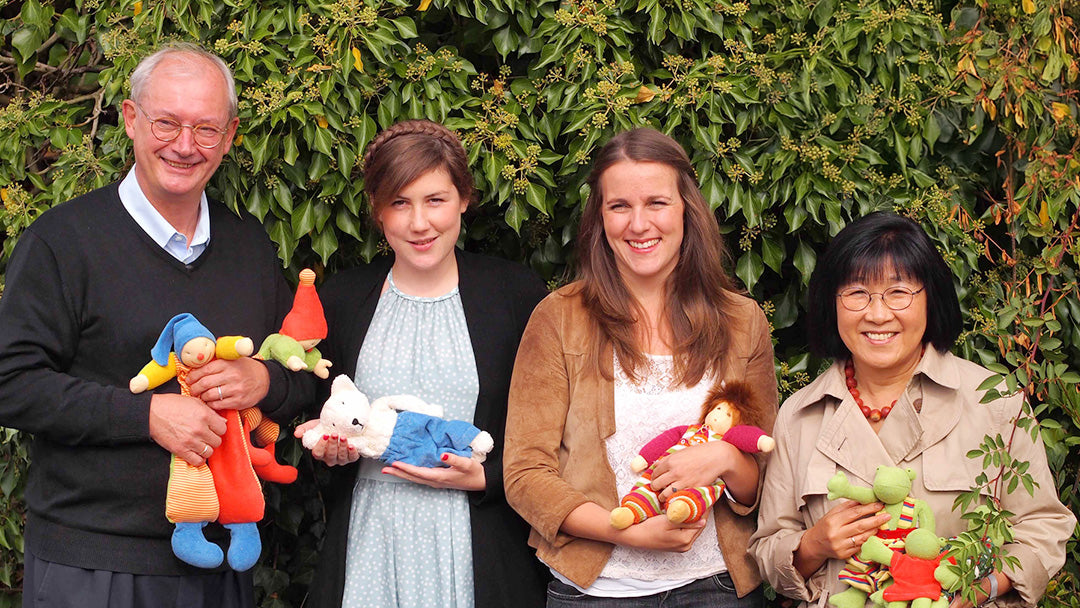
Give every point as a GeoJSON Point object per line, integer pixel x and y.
{"type": "Point", "coordinates": [191, 496]}
{"type": "Point", "coordinates": [639, 504]}
{"type": "Point", "coordinates": [190, 502]}
{"type": "Point", "coordinates": [692, 504]}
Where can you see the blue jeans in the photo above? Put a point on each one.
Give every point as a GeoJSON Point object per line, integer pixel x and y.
{"type": "Point", "coordinates": [716, 591]}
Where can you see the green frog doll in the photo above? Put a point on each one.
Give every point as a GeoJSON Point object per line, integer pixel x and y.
{"type": "Point", "coordinates": [892, 487]}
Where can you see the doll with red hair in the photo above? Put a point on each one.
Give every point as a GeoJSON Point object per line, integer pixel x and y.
{"type": "Point", "coordinates": [722, 412]}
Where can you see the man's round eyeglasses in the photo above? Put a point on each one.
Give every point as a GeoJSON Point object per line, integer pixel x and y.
{"type": "Point", "coordinates": [167, 129]}
{"type": "Point", "coordinates": [896, 298]}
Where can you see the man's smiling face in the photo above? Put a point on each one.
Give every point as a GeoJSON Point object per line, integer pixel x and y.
{"type": "Point", "coordinates": [190, 91]}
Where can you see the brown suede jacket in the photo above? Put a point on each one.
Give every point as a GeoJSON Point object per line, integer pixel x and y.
{"type": "Point", "coordinates": [560, 411]}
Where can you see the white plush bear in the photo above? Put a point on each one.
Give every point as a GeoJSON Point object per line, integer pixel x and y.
{"type": "Point", "coordinates": [398, 428]}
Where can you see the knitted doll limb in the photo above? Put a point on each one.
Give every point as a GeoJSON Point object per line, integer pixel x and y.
{"type": "Point", "coordinates": [244, 545]}
{"type": "Point", "coordinates": [191, 499]}
{"type": "Point", "coordinates": [273, 471]}
{"type": "Point", "coordinates": [264, 432]}
{"type": "Point", "coordinates": [865, 577]}
{"type": "Point", "coordinates": [190, 502]}
{"type": "Point", "coordinates": [639, 504]}
{"type": "Point", "coordinates": [692, 504]}
{"type": "Point", "coordinates": [239, 493]}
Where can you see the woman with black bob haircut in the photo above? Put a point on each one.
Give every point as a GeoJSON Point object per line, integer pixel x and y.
{"type": "Point", "coordinates": [883, 306]}
{"type": "Point", "coordinates": [883, 242]}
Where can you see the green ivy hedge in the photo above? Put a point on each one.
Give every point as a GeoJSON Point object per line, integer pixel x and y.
{"type": "Point", "coordinates": [799, 115]}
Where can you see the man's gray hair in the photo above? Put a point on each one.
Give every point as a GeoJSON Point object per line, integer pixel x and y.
{"type": "Point", "coordinates": [140, 78]}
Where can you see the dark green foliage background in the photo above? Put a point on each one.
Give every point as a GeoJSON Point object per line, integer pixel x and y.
{"type": "Point", "coordinates": [799, 115]}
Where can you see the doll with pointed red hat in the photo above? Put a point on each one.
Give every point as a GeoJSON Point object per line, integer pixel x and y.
{"type": "Point", "coordinates": [294, 347]}
{"type": "Point", "coordinates": [304, 327]}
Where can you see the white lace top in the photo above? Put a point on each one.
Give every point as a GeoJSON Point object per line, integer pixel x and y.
{"type": "Point", "coordinates": [643, 411]}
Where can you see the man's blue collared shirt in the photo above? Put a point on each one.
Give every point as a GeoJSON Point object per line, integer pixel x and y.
{"type": "Point", "coordinates": [158, 228]}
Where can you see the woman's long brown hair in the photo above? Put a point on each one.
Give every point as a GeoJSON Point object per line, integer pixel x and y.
{"type": "Point", "coordinates": [698, 291]}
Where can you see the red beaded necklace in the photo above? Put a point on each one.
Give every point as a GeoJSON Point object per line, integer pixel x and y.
{"type": "Point", "coordinates": [872, 414]}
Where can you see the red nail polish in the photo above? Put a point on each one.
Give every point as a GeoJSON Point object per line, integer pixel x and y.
{"type": "Point", "coordinates": [334, 437]}
{"type": "Point", "coordinates": [445, 457]}
{"type": "Point", "coordinates": [326, 437]}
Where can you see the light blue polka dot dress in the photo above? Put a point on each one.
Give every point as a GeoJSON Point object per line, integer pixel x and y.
{"type": "Point", "coordinates": [410, 545]}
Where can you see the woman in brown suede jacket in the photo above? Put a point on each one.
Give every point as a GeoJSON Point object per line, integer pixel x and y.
{"type": "Point", "coordinates": [624, 353]}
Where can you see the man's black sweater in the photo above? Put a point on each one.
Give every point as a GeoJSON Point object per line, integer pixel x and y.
{"type": "Point", "coordinates": [87, 295]}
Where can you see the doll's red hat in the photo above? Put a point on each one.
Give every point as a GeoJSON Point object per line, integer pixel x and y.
{"type": "Point", "coordinates": [306, 320]}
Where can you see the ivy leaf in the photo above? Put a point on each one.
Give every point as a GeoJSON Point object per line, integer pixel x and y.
{"type": "Point", "coordinates": [389, 110]}
{"type": "Point", "coordinates": [346, 157]}
{"type": "Point", "coordinates": [795, 216]}
{"type": "Point", "coordinates": [787, 309]}
{"type": "Point", "coordinates": [325, 243]}
{"type": "Point", "coordinates": [805, 260]}
{"type": "Point", "coordinates": [515, 215]}
{"type": "Point", "coordinates": [303, 218]}
{"type": "Point", "coordinates": [492, 167]}
{"type": "Point", "coordinates": [291, 151]}
{"type": "Point", "coordinates": [505, 40]}
{"type": "Point", "coordinates": [324, 142]}
{"type": "Point", "coordinates": [36, 15]}
{"type": "Point", "coordinates": [548, 54]}
{"type": "Point", "coordinates": [749, 269]}
{"type": "Point", "coordinates": [348, 223]}
{"type": "Point", "coordinates": [772, 252]}
{"type": "Point", "coordinates": [80, 26]}
{"type": "Point", "coordinates": [406, 27]}
{"type": "Point", "coordinates": [536, 196]}
{"type": "Point", "coordinates": [658, 26]}
{"type": "Point", "coordinates": [26, 41]}
{"type": "Point", "coordinates": [281, 234]}
{"type": "Point", "coordinates": [931, 131]}
{"type": "Point", "coordinates": [823, 12]}
{"type": "Point", "coordinates": [283, 196]}
{"type": "Point", "coordinates": [320, 164]}
{"type": "Point", "coordinates": [257, 147]}
{"type": "Point", "coordinates": [257, 202]}
{"type": "Point", "coordinates": [371, 245]}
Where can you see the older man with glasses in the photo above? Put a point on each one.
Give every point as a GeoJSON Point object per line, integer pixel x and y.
{"type": "Point", "coordinates": [90, 286]}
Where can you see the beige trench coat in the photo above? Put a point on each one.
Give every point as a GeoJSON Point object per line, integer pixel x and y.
{"type": "Point", "coordinates": [820, 431]}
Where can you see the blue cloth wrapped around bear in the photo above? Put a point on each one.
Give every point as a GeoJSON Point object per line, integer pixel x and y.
{"type": "Point", "coordinates": [421, 440]}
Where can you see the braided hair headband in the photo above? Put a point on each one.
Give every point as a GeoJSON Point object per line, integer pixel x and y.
{"type": "Point", "coordinates": [412, 127]}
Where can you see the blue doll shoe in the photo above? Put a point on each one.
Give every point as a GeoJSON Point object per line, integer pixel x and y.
{"type": "Point", "coordinates": [244, 546]}
{"type": "Point", "coordinates": [189, 544]}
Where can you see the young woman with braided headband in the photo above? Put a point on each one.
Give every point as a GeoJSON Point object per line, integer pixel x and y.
{"type": "Point", "coordinates": [444, 325]}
